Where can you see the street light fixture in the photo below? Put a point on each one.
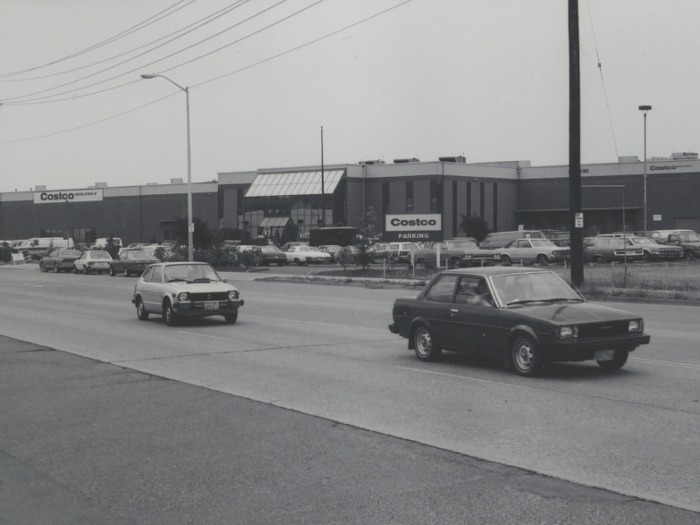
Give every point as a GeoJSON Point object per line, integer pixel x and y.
{"type": "Point", "coordinates": [190, 224]}
{"type": "Point", "coordinates": [645, 109]}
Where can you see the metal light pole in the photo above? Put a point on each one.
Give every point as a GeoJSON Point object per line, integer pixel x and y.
{"type": "Point", "coordinates": [190, 224]}
{"type": "Point", "coordinates": [645, 109]}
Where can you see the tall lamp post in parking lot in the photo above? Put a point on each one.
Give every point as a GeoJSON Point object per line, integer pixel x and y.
{"type": "Point", "coordinates": [190, 225]}
{"type": "Point", "coordinates": [645, 109]}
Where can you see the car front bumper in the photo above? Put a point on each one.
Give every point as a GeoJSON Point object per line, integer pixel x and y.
{"type": "Point", "coordinates": [583, 349]}
{"type": "Point", "coordinates": [200, 308]}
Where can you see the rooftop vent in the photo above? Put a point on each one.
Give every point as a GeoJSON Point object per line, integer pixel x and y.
{"type": "Point", "coordinates": [100, 185]}
{"type": "Point", "coordinates": [686, 155]}
{"type": "Point", "coordinates": [175, 181]}
{"type": "Point", "coordinates": [377, 161]}
{"type": "Point", "coordinates": [40, 188]}
{"type": "Point", "coordinates": [459, 160]}
{"type": "Point", "coordinates": [405, 161]}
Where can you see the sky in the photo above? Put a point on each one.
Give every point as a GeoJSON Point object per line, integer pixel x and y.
{"type": "Point", "coordinates": [385, 79]}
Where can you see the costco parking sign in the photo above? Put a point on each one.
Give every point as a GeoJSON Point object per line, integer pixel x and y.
{"type": "Point", "coordinates": [413, 227]}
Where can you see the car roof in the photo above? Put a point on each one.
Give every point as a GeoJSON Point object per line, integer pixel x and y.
{"type": "Point", "coordinates": [488, 271]}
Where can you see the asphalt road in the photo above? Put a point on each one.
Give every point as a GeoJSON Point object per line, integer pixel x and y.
{"type": "Point", "coordinates": [325, 351]}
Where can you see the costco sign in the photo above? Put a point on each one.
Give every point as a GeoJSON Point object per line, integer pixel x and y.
{"type": "Point", "coordinates": [42, 197]}
{"type": "Point", "coordinates": [413, 227]}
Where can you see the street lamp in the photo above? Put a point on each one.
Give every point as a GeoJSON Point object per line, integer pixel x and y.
{"type": "Point", "coordinates": [645, 109]}
{"type": "Point", "coordinates": [190, 224]}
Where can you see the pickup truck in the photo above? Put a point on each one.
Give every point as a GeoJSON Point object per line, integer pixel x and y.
{"type": "Point", "coordinates": [690, 242]}
{"type": "Point", "coordinates": [456, 253]}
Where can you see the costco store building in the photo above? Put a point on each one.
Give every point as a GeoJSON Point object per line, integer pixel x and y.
{"type": "Point", "coordinates": [412, 200]}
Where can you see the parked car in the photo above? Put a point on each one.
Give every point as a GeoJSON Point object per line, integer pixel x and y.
{"type": "Point", "coordinates": [525, 316]}
{"type": "Point", "coordinates": [101, 243]}
{"type": "Point", "coordinates": [59, 259]}
{"type": "Point", "coordinates": [306, 255]}
{"type": "Point", "coordinates": [688, 241]}
{"type": "Point", "coordinates": [185, 289]}
{"type": "Point", "coordinates": [503, 239]}
{"type": "Point", "coordinates": [92, 261]}
{"type": "Point", "coordinates": [560, 238]}
{"type": "Point", "coordinates": [289, 244]}
{"type": "Point", "coordinates": [608, 249]}
{"type": "Point", "coordinates": [654, 251]}
{"type": "Point", "coordinates": [39, 247]}
{"type": "Point", "coordinates": [271, 255]}
{"type": "Point", "coordinates": [458, 252]}
{"type": "Point", "coordinates": [661, 236]}
{"type": "Point", "coordinates": [401, 251]}
{"type": "Point", "coordinates": [132, 261]}
{"type": "Point", "coordinates": [333, 249]}
{"type": "Point", "coordinates": [531, 251]}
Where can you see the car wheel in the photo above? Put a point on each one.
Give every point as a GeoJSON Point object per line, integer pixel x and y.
{"type": "Point", "coordinates": [505, 260]}
{"type": "Point", "coordinates": [426, 348]}
{"type": "Point", "coordinates": [690, 254]}
{"type": "Point", "coordinates": [422, 264]}
{"type": "Point", "coordinates": [597, 259]}
{"type": "Point", "coordinates": [85, 270]}
{"type": "Point", "coordinates": [231, 318]}
{"type": "Point", "coordinates": [526, 356]}
{"type": "Point", "coordinates": [297, 262]}
{"type": "Point", "coordinates": [141, 310]}
{"type": "Point", "coordinates": [99, 272]}
{"type": "Point", "coordinates": [647, 256]}
{"type": "Point", "coordinates": [454, 262]}
{"type": "Point", "coordinates": [127, 273]}
{"type": "Point", "coordinates": [542, 260]}
{"type": "Point", "coordinates": [169, 314]}
{"type": "Point", "coordinates": [56, 268]}
{"type": "Point", "coordinates": [43, 267]}
{"type": "Point", "coordinates": [75, 269]}
{"type": "Point", "coordinates": [618, 360]}
{"type": "Point", "coordinates": [112, 272]}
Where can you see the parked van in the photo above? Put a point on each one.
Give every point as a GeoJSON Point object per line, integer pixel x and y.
{"type": "Point", "coordinates": [43, 244]}
{"type": "Point", "coordinates": [101, 244]}
{"type": "Point", "coordinates": [662, 235]}
{"type": "Point", "coordinates": [501, 239]}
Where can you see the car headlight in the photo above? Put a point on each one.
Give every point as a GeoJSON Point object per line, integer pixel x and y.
{"type": "Point", "coordinates": [183, 296]}
{"type": "Point", "coordinates": [233, 295]}
{"type": "Point", "coordinates": [555, 253]}
{"type": "Point", "coordinates": [635, 326]}
{"type": "Point", "coordinates": [568, 332]}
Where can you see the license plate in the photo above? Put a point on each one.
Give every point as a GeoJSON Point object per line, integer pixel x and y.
{"type": "Point", "coordinates": [214, 305]}
{"type": "Point", "coordinates": [604, 355]}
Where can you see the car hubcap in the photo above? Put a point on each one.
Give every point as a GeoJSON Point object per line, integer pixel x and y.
{"type": "Point", "coordinates": [423, 342]}
{"type": "Point", "coordinates": [523, 356]}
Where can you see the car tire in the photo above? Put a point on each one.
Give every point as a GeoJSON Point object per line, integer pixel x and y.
{"type": "Point", "coordinates": [597, 259]}
{"type": "Point", "coordinates": [127, 273]}
{"type": "Point", "coordinates": [454, 262]}
{"type": "Point", "coordinates": [99, 272]}
{"type": "Point", "coordinates": [85, 270]}
{"type": "Point", "coordinates": [526, 356]}
{"type": "Point", "coordinates": [618, 361]}
{"type": "Point", "coordinates": [297, 262]}
{"type": "Point", "coordinates": [506, 261]}
{"type": "Point", "coordinates": [56, 268]}
{"type": "Point", "coordinates": [690, 255]}
{"type": "Point", "coordinates": [43, 267]}
{"type": "Point", "coordinates": [422, 264]}
{"type": "Point", "coordinates": [542, 260]}
{"type": "Point", "coordinates": [231, 318]}
{"type": "Point", "coordinates": [647, 256]}
{"type": "Point", "coordinates": [75, 269]}
{"type": "Point", "coordinates": [424, 345]}
{"type": "Point", "coordinates": [112, 272]}
{"type": "Point", "coordinates": [169, 314]}
{"type": "Point", "coordinates": [141, 311]}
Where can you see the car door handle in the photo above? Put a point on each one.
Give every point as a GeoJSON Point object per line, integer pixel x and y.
{"type": "Point", "coordinates": [454, 311]}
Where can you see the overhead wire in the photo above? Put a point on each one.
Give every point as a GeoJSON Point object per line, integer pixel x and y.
{"type": "Point", "coordinates": [140, 25]}
{"type": "Point", "coordinates": [125, 52]}
{"type": "Point", "coordinates": [212, 79]}
{"type": "Point", "coordinates": [18, 99]}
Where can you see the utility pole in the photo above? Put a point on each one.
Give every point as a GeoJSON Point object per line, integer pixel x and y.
{"type": "Point", "coordinates": [575, 209]}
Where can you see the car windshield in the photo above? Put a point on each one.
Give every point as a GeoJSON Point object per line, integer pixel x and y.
{"type": "Point", "coordinates": [690, 238]}
{"type": "Point", "coordinates": [269, 249]}
{"type": "Point", "coordinates": [463, 245]}
{"type": "Point", "coordinates": [99, 255]}
{"type": "Point", "coordinates": [522, 288]}
{"type": "Point", "coordinates": [70, 253]}
{"type": "Point", "coordinates": [190, 272]}
{"type": "Point", "coordinates": [542, 242]}
{"type": "Point", "coordinates": [642, 240]}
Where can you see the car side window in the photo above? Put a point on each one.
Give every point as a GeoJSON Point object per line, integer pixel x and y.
{"type": "Point", "coordinates": [443, 289]}
{"type": "Point", "coordinates": [466, 291]}
{"type": "Point", "coordinates": [157, 275]}
{"type": "Point", "coordinates": [148, 274]}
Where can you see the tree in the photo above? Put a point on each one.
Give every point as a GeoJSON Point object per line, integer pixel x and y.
{"type": "Point", "coordinates": [202, 236]}
{"type": "Point", "coordinates": [370, 223]}
{"type": "Point", "coordinates": [474, 226]}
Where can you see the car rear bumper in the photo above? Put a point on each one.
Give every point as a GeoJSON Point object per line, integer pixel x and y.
{"type": "Point", "coordinates": [582, 350]}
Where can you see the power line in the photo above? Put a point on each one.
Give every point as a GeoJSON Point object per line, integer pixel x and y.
{"type": "Point", "coordinates": [111, 39]}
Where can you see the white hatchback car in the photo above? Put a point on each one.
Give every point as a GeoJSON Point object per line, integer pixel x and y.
{"type": "Point", "coordinates": [307, 255]}
{"type": "Point", "coordinates": [92, 261]}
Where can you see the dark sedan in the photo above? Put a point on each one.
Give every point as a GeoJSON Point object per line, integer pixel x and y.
{"type": "Point", "coordinates": [525, 316]}
{"type": "Point", "coordinates": [271, 255]}
{"type": "Point", "coordinates": [132, 262]}
{"type": "Point", "coordinates": [59, 259]}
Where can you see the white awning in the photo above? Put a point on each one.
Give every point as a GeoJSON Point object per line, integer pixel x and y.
{"type": "Point", "coordinates": [275, 222]}
{"type": "Point", "coordinates": [294, 183]}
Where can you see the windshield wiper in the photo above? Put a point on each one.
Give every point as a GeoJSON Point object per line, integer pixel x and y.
{"type": "Point", "coordinates": [524, 301]}
{"type": "Point", "coordinates": [556, 299]}
{"type": "Point", "coordinates": [176, 279]}
{"type": "Point", "coordinates": [202, 280]}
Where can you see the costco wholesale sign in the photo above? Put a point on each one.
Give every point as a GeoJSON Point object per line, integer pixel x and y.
{"type": "Point", "coordinates": [413, 227]}
{"type": "Point", "coordinates": [43, 197]}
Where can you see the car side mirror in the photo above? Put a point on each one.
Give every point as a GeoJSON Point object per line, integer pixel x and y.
{"type": "Point", "coordinates": [224, 280]}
